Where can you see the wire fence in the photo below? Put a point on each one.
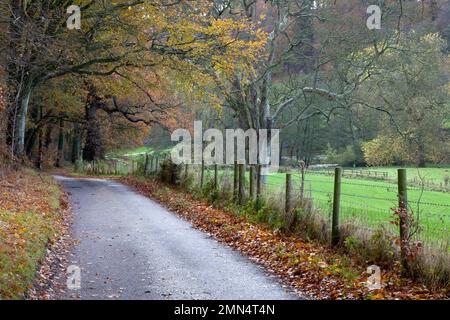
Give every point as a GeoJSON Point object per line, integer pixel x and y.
{"type": "Point", "coordinates": [364, 202]}
{"type": "Point", "coordinates": [435, 184]}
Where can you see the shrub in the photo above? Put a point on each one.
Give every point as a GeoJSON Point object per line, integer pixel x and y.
{"type": "Point", "coordinates": [170, 173]}
{"type": "Point", "coordinates": [209, 191]}
{"type": "Point", "coordinates": [432, 264]}
{"type": "Point", "coordinates": [385, 150]}
{"type": "Point", "coordinates": [260, 211]}
{"type": "Point", "coordinates": [311, 224]}
{"type": "Point", "coordinates": [350, 156]}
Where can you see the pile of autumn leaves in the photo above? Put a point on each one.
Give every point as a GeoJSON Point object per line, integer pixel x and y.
{"type": "Point", "coordinates": [30, 219]}
{"type": "Point", "coordinates": [311, 268]}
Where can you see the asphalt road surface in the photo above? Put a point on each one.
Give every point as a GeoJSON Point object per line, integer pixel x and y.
{"type": "Point", "coordinates": [132, 248]}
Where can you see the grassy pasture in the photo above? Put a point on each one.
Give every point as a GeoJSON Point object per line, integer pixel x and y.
{"type": "Point", "coordinates": [435, 175]}
{"type": "Point", "coordinates": [370, 202]}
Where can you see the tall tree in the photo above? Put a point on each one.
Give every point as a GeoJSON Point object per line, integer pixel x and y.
{"type": "Point", "coordinates": [126, 36]}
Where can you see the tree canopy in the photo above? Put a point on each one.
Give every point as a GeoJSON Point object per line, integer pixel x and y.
{"type": "Point", "coordinates": [310, 68]}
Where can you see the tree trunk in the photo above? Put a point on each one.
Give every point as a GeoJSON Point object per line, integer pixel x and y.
{"type": "Point", "coordinates": [76, 144]}
{"type": "Point", "coordinates": [33, 132]}
{"type": "Point", "coordinates": [40, 157]}
{"type": "Point", "coordinates": [61, 137]}
{"type": "Point", "coordinates": [31, 135]}
{"type": "Point", "coordinates": [281, 153]}
{"type": "Point", "coordinates": [25, 100]}
{"type": "Point", "coordinates": [93, 149]}
{"type": "Point", "coordinates": [48, 137]}
{"type": "Point", "coordinates": [13, 35]}
{"type": "Point", "coordinates": [421, 155]}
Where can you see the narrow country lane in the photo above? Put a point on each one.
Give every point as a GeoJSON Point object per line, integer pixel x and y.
{"type": "Point", "coordinates": [132, 248]}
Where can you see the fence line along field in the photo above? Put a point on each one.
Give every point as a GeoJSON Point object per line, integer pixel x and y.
{"type": "Point", "coordinates": [371, 202]}
{"type": "Point", "coordinates": [367, 199]}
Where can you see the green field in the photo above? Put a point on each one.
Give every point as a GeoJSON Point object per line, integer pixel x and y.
{"type": "Point", "coordinates": [138, 153]}
{"type": "Point", "coordinates": [369, 202]}
{"type": "Point", "coordinates": [434, 174]}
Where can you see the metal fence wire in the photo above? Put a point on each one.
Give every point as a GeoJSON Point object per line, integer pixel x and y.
{"type": "Point", "coordinates": [367, 200]}
{"type": "Point", "coordinates": [366, 203]}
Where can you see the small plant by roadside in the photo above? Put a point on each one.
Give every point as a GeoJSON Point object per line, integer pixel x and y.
{"type": "Point", "coordinates": [170, 173]}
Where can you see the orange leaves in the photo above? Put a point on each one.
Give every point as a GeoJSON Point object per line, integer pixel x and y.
{"type": "Point", "coordinates": [25, 191]}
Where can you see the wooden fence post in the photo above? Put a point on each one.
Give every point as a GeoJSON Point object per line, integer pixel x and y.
{"type": "Point", "coordinates": [202, 173]}
{"type": "Point", "coordinates": [252, 182]}
{"type": "Point", "coordinates": [288, 205]}
{"type": "Point", "coordinates": [403, 214]}
{"type": "Point", "coordinates": [336, 203]}
{"type": "Point", "coordinates": [241, 183]}
{"type": "Point", "coordinates": [216, 178]}
{"type": "Point", "coordinates": [235, 181]}
{"type": "Point", "coordinates": [258, 181]}
{"type": "Point", "coordinates": [152, 164]}
{"type": "Point", "coordinates": [290, 214]}
{"type": "Point", "coordinates": [146, 164]}
{"type": "Point", "coordinates": [302, 183]}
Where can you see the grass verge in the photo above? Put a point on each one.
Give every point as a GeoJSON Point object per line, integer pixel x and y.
{"type": "Point", "coordinates": [31, 218]}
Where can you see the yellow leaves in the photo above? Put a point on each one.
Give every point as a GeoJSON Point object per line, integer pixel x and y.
{"type": "Point", "coordinates": [431, 37]}
{"type": "Point", "coordinates": [385, 149]}
{"type": "Point", "coordinates": [377, 296]}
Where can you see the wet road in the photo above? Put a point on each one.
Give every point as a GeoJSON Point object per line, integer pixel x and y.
{"type": "Point", "coordinates": [132, 248]}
